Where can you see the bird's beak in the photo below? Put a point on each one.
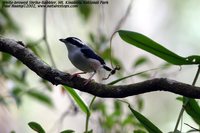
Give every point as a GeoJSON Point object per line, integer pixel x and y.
{"type": "Point", "coordinates": [62, 40]}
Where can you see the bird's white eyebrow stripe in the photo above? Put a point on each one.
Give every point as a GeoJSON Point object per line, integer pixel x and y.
{"type": "Point", "coordinates": [79, 41]}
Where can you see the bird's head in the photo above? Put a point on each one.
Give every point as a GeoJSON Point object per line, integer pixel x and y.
{"type": "Point", "coordinates": [72, 42]}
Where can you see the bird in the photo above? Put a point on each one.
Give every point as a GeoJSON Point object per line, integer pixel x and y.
{"type": "Point", "coordinates": [84, 58]}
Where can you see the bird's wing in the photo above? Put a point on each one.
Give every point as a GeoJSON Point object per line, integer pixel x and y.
{"type": "Point", "coordinates": [90, 54]}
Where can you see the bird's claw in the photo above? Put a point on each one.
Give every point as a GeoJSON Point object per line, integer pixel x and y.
{"type": "Point", "coordinates": [106, 77]}
{"type": "Point", "coordinates": [88, 81]}
{"type": "Point", "coordinates": [74, 75]}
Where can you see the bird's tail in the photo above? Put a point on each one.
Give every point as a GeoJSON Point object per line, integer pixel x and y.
{"type": "Point", "coordinates": [112, 71]}
{"type": "Point", "coordinates": [107, 68]}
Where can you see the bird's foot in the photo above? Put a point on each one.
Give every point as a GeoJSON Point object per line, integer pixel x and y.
{"type": "Point", "coordinates": [88, 81]}
{"type": "Point", "coordinates": [106, 77]}
{"type": "Point", "coordinates": [76, 75]}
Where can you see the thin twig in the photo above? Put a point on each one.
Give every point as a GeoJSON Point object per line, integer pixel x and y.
{"type": "Point", "coordinates": [187, 100]}
{"type": "Point", "coordinates": [111, 59]}
{"type": "Point", "coordinates": [88, 115]}
{"type": "Point", "coordinates": [45, 37]}
{"type": "Point", "coordinates": [123, 19]}
{"type": "Point", "coordinates": [59, 123]}
{"type": "Point", "coordinates": [195, 129]}
{"type": "Point", "coordinates": [118, 26]}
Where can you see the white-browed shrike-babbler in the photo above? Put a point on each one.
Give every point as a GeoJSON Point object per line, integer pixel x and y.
{"type": "Point", "coordinates": [83, 57]}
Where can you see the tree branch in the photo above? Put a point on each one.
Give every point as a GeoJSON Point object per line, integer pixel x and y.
{"type": "Point", "coordinates": [56, 77]}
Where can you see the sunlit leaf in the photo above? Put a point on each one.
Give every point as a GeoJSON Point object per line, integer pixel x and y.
{"type": "Point", "coordinates": [149, 126]}
{"type": "Point", "coordinates": [36, 127]}
{"type": "Point", "coordinates": [40, 96]}
{"type": "Point", "coordinates": [147, 44]}
{"type": "Point", "coordinates": [78, 100]}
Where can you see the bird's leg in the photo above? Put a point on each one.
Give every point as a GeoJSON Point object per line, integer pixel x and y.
{"type": "Point", "coordinates": [77, 74]}
{"type": "Point", "coordinates": [90, 78]}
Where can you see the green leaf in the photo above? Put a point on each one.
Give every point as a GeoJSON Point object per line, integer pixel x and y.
{"type": "Point", "coordinates": [40, 97]}
{"type": "Point", "coordinates": [36, 127]}
{"type": "Point", "coordinates": [5, 57]}
{"type": "Point", "coordinates": [3, 101]}
{"type": "Point", "coordinates": [129, 119]}
{"type": "Point", "coordinates": [179, 99]}
{"type": "Point", "coordinates": [47, 84]}
{"type": "Point", "coordinates": [145, 75]}
{"type": "Point", "coordinates": [165, 65]}
{"type": "Point", "coordinates": [139, 131]}
{"type": "Point", "coordinates": [91, 131]}
{"type": "Point", "coordinates": [106, 56]}
{"type": "Point", "coordinates": [10, 24]}
{"type": "Point", "coordinates": [68, 131]}
{"type": "Point", "coordinates": [140, 103]}
{"type": "Point", "coordinates": [16, 91]}
{"type": "Point", "coordinates": [92, 37]}
{"type": "Point", "coordinates": [85, 10]}
{"type": "Point", "coordinates": [149, 126]}
{"type": "Point", "coordinates": [192, 108]}
{"type": "Point", "coordinates": [100, 107]}
{"type": "Point", "coordinates": [35, 47]}
{"type": "Point", "coordinates": [78, 100]}
{"type": "Point", "coordinates": [16, 77]}
{"type": "Point", "coordinates": [147, 44]}
{"type": "Point", "coordinates": [117, 109]}
{"type": "Point", "coordinates": [140, 61]}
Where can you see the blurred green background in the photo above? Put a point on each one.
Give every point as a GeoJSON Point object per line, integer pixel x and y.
{"type": "Point", "coordinates": [24, 97]}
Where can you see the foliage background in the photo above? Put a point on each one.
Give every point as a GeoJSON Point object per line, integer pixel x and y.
{"type": "Point", "coordinates": [172, 22]}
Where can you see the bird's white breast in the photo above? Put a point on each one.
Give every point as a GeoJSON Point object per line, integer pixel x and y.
{"type": "Point", "coordinates": [81, 62]}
